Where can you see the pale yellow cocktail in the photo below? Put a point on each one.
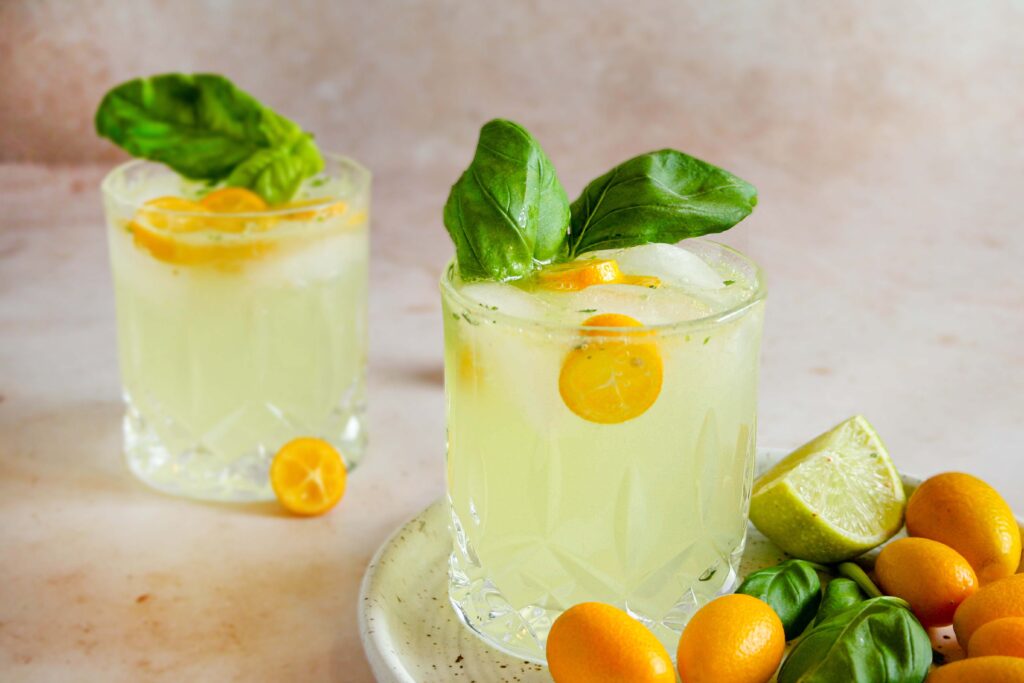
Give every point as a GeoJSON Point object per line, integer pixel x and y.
{"type": "Point", "coordinates": [237, 332]}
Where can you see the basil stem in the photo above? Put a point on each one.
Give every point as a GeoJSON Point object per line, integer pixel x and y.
{"type": "Point", "coordinates": [859, 576]}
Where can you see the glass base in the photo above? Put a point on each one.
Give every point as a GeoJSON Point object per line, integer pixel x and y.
{"type": "Point", "coordinates": [522, 631]}
{"type": "Point", "coordinates": [199, 471]}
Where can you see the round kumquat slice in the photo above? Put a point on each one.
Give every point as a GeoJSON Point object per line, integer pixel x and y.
{"type": "Point", "coordinates": [162, 213]}
{"type": "Point", "coordinates": [160, 227]}
{"type": "Point", "coordinates": [612, 320]}
{"type": "Point", "coordinates": [580, 274]}
{"type": "Point", "coordinates": [319, 209]}
{"type": "Point", "coordinates": [153, 224]}
{"type": "Point", "coordinates": [308, 476]}
{"type": "Point", "coordinates": [649, 281]}
{"type": "Point", "coordinates": [234, 200]}
{"type": "Point", "coordinates": [182, 251]}
{"type": "Point", "coordinates": [615, 378]}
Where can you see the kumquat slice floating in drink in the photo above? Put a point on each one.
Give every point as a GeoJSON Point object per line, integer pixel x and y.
{"type": "Point", "coordinates": [615, 377]}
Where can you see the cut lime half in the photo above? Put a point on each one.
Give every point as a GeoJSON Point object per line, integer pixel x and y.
{"type": "Point", "coordinates": [833, 498]}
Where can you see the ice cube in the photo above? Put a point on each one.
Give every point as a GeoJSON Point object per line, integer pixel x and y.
{"type": "Point", "coordinates": [650, 306]}
{"type": "Point", "coordinates": [324, 259]}
{"type": "Point", "coordinates": [507, 299]}
{"type": "Point", "coordinates": [673, 265]}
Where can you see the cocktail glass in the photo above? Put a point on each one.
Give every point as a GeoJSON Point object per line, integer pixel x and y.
{"type": "Point", "coordinates": [238, 332]}
{"type": "Point", "coordinates": [549, 509]}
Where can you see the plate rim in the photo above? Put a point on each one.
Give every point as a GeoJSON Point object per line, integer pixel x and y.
{"type": "Point", "coordinates": [383, 658]}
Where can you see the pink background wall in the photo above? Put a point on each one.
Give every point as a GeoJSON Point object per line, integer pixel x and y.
{"type": "Point", "coordinates": [886, 139]}
{"type": "Point", "coordinates": [807, 87]}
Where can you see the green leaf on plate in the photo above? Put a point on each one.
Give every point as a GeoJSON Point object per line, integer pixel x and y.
{"type": "Point", "coordinates": [791, 588]}
{"type": "Point", "coordinates": [875, 640]}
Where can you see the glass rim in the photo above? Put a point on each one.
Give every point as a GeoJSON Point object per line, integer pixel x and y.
{"type": "Point", "coordinates": [737, 310]}
{"type": "Point", "coordinates": [363, 174]}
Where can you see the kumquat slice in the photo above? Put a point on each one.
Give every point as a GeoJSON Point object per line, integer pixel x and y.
{"type": "Point", "coordinates": [614, 378]}
{"type": "Point", "coordinates": [308, 476]}
{"type": "Point", "coordinates": [580, 274]}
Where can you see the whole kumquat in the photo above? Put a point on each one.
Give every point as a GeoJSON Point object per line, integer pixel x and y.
{"type": "Point", "coordinates": [980, 670]}
{"type": "Point", "coordinates": [1000, 637]}
{"type": "Point", "coordinates": [735, 638]}
{"type": "Point", "coordinates": [593, 641]}
{"type": "Point", "coordinates": [999, 599]}
{"type": "Point", "coordinates": [971, 517]}
{"type": "Point", "coordinates": [929, 575]}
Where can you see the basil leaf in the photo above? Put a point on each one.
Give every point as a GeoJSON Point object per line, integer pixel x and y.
{"type": "Point", "coordinates": [791, 588]}
{"type": "Point", "coordinates": [508, 211]}
{"type": "Point", "coordinates": [876, 640]}
{"type": "Point", "coordinates": [663, 196]}
{"type": "Point", "coordinates": [840, 594]}
{"type": "Point", "coordinates": [277, 172]}
{"type": "Point", "coordinates": [205, 128]}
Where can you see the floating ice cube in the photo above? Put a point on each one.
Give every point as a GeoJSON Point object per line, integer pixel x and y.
{"type": "Point", "coordinates": [507, 299]}
{"type": "Point", "coordinates": [673, 265]}
{"type": "Point", "coordinates": [326, 258]}
{"type": "Point", "coordinates": [650, 306]}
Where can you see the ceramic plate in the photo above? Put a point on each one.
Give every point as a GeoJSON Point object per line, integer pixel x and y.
{"type": "Point", "coordinates": [412, 635]}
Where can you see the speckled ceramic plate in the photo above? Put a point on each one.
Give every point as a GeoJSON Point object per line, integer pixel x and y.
{"type": "Point", "coordinates": [412, 635]}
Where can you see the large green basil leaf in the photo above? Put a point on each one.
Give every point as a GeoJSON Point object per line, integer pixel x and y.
{"type": "Point", "coordinates": [205, 128]}
{"type": "Point", "coordinates": [508, 211]}
{"type": "Point", "coordinates": [791, 588]}
{"type": "Point", "coordinates": [875, 641]}
{"type": "Point", "coordinates": [840, 594]}
{"type": "Point", "coordinates": [663, 196]}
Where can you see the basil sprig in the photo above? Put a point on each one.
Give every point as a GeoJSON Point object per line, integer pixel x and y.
{"type": "Point", "coordinates": [508, 213]}
{"type": "Point", "coordinates": [206, 128]}
{"type": "Point", "coordinates": [508, 210]}
{"type": "Point", "coordinates": [791, 588]}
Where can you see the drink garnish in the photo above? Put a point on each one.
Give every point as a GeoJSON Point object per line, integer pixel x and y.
{"type": "Point", "coordinates": [508, 210]}
{"type": "Point", "coordinates": [206, 128]}
{"type": "Point", "coordinates": [509, 216]}
{"type": "Point", "coordinates": [572, 277]}
{"type": "Point", "coordinates": [614, 375]}
{"type": "Point", "coordinates": [577, 275]}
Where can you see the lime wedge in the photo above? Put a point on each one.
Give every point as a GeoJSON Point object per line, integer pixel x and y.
{"type": "Point", "coordinates": [833, 498]}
